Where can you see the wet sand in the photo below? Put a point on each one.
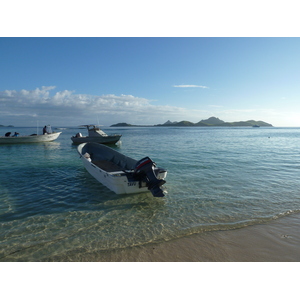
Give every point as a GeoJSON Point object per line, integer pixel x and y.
{"type": "Point", "coordinates": [275, 241]}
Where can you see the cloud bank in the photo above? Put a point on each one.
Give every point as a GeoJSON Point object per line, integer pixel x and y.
{"type": "Point", "coordinates": [68, 108]}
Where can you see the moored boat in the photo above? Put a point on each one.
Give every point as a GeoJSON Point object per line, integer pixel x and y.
{"type": "Point", "coordinates": [120, 173]}
{"type": "Point", "coordinates": [95, 135]}
{"type": "Point", "coordinates": [48, 136]}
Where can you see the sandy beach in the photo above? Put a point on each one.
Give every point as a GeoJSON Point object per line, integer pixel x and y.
{"type": "Point", "coordinates": [275, 241]}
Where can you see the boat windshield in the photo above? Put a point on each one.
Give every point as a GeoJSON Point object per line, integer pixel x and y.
{"type": "Point", "coordinates": [49, 129]}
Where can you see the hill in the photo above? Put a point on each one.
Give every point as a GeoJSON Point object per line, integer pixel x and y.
{"type": "Point", "coordinates": [129, 125]}
{"type": "Point", "coordinates": [121, 125]}
{"type": "Point", "coordinates": [212, 121]}
{"type": "Point", "coordinates": [181, 123]}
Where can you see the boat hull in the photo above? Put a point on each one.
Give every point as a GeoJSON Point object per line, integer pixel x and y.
{"type": "Point", "coordinates": [120, 182]}
{"type": "Point", "coordinates": [110, 139]}
{"type": "Point", "coordinates": [30, 138]}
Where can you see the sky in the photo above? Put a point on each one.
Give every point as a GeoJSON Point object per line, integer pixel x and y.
{"type": "Point", "coordinates": [69, 81]}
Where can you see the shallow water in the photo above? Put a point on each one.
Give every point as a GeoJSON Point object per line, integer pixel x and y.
{"type": "Point", "coordinates": [218, 178]}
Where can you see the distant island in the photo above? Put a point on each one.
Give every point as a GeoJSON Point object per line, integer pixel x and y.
{"type": "Point", "coordinates": [130, 125]}
{"type": "Point", "coordinates": [212, 121]}
{"type": "Point", "coordinates": [6, 126]}
{"type": "Point", "coordinates": [121, 125]}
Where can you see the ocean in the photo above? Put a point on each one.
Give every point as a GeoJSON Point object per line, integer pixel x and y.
{"type": "Point", "coordinates": [52, 209]}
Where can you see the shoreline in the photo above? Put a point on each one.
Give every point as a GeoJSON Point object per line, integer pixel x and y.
{"type": "Point", "coordinates": [275, 241]}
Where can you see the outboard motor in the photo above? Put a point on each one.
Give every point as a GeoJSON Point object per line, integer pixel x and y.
{"type": "Point", "coordinates": [144, 171]}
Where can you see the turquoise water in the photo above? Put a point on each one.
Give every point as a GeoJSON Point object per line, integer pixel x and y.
{"type": "Point", "coordinates": [218, 179]}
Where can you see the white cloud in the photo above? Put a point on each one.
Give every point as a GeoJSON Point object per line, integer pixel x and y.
{"type": "Point", "coordinates": [191, 86]}
{"type": "Point", "coordinates": [67, 108]}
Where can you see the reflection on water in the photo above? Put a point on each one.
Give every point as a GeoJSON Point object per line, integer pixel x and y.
{"type": "Point", "coordinates": [51, 145]}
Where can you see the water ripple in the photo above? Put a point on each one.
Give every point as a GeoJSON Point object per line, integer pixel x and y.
{"type": "Point", "coordinates": [218, 179]}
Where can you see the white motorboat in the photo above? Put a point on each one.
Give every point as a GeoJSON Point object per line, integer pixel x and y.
{"type": "Point", "coordinates": [95, 135]}
{"type": "Point", "coordinates": [120, 173]}
{"type": "Point", "coordinates": [48, 136]}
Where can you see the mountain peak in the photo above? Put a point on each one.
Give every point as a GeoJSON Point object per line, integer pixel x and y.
{"type": "Point", "coordinates": [212, 121]}
{"type": "Point", "coordinates": [170, 123]}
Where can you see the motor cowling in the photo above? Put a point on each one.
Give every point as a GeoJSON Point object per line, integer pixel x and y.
{"type": "Point", "coordinates": [144, 171]}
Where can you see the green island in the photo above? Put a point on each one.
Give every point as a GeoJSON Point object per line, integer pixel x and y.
{"type": "Point", "coordinates": [212, 121]}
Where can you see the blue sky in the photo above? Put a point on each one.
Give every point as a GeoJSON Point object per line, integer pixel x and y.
{"type": "Point", "coordinates": [72, 81]}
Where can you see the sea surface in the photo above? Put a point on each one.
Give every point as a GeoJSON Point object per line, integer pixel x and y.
{"type": "Point", "coordinates": [52, 209]}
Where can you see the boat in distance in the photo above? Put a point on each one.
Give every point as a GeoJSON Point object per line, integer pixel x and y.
{"type": "Point", "coordinates": [47, 136]}
{"type": "Point", "coordinates": [120, 173]}
{"type": "Point", "coordinates": [95, 135]}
